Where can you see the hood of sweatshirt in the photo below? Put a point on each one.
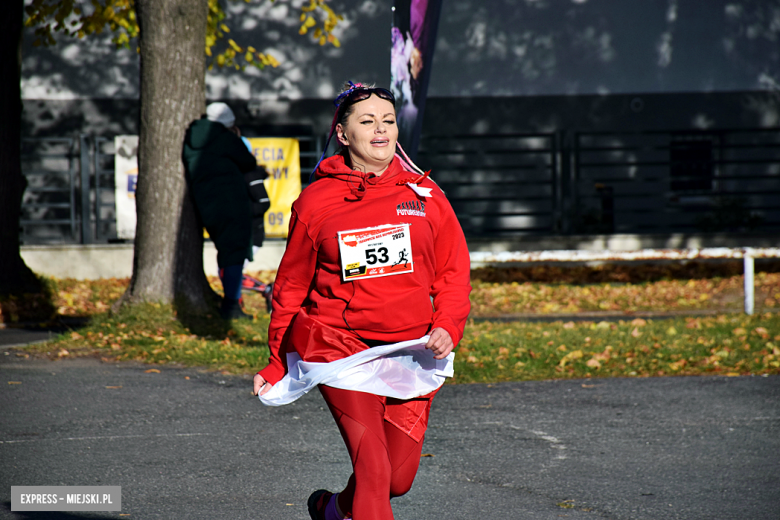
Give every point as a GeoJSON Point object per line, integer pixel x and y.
{"type": "Point", "coordinates": [358, 182]}
{"type": "Point", "coordinates": [202, 133]}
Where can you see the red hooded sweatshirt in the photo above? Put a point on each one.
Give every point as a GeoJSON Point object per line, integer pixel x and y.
{"type": "Point", "coordinates": [323, 317]}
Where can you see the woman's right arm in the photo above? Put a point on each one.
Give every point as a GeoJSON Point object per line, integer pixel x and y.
{"type": "Point", "coordinates": [291, 289]}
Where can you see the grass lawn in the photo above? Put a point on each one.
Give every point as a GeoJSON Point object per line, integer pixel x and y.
{"type": "Point", "coordinates": [729, 343]}
{"type": "Point", "coordinates": [733, 344]}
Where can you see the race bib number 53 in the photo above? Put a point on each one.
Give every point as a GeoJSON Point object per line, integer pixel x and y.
{"type": "Point", "coordinates": [377, 251]}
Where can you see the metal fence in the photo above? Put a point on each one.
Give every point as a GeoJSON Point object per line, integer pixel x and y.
{"type": "Point", "coordinates": [104, 189]}
{"type": "Point", "coordinates": [49, 206]}
{"type": "Point", "coordinates": [704, 181]}
{"type": "Point", "coordinates": [610, 182]}
{"type": "Point", "coordinates": [499, 185]}
{"type": "Point", "coordinates": [70, 197]}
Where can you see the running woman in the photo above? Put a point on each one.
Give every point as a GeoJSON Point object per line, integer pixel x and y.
{"type": "Point", "coordinates": [339, 290]}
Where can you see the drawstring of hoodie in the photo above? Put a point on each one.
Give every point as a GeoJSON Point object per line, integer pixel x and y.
{"type": "Point", "coordinates": [359, 191]}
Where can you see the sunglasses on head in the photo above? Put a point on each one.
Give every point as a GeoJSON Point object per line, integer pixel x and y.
{"type": "Point", "coordinates": [359, 93]}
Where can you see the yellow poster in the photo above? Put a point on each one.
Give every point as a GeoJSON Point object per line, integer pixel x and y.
{"type": "Point", "coordinates": [281, 158]}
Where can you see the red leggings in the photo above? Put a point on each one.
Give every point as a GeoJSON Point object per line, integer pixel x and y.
{"type": "Point", "coordinates": [384, 459]}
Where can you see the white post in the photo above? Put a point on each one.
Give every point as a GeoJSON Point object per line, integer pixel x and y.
{"type": "Point", "coordinates": [749, 286]}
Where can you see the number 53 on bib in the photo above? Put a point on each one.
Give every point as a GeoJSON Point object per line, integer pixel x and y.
{"type": "Point", "coordinates": [376, 251]}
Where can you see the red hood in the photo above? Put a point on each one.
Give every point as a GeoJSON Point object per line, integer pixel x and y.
{"type": "Point", "coordinates": [335, 167]}
{"type": "Point", "coordinates": [357, 181]}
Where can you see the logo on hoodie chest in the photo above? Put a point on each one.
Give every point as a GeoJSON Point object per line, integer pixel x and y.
{"type": "Point", "coordinates": [414, 208]}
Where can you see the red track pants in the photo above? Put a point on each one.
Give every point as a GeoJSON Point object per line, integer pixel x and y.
{"type": "Point", "coordinates": [384, 459]}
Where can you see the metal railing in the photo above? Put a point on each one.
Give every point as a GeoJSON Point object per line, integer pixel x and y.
{"type": "Point", "coordinates": [707, 180]}
{"type": "Point", "coordinates": [49, 206]}
{"type": "Point", "coordinates": [747, 254]}
{"type": "Point", "coordinates": [70, 196]}
{"type": "Point", "coordinates": [499, 185]}
{"type": "Point", "coordinates": [692, 181]}
{"type": "Point", "coordinates": [104, 189]}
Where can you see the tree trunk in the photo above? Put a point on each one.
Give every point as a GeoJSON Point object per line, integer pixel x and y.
{"type": "Point", "coordinates": [15, 276]}
{"type": "Point", "coordinates": [168, 262]}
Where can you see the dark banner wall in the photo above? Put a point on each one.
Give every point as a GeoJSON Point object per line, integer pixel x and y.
{"type": "Point", "coordinates": [601, 47]}
{"type": "Point", "coordinates": [493, 48]}
{"type": "Point", "coordinates": [413, 42]}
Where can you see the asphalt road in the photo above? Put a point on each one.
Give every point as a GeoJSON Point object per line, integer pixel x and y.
{"type": "Point", "coordinates": [186, 444]}
{"type": "Point", "coordinates": [18, 337]}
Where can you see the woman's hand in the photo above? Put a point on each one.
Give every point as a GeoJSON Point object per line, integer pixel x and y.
{"type": "Point", "coordinates": [261, 386]}
{"type": "Point", "coordinates": [440, 343]}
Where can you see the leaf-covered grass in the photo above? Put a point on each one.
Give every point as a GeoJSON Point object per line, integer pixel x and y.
{"type": "Point", "coordinates": [730, 343]}
{"type": "Point", "coordinates": [734, 344]}
{"type": "Point", "coordinates": [536, 290]}
{"type": "Point", "coordinates": [667, 295]}
{"type": "Point", "coordinates": [71, 298]}
{"type": "Point", "coordinates": [87, 297]}
{"type": "Point", "coordinates": [153, 333]}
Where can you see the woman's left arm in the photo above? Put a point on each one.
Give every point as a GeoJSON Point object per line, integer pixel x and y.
{"type": "Point", "coordinates": [451, 285]}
